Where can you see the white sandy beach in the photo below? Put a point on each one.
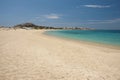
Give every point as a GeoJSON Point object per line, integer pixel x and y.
{"type": "Point", "coordinates": [31, 55]}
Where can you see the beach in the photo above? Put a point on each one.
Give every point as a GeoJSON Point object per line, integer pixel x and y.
{"type": "Point", "coordinates": [32, 55]}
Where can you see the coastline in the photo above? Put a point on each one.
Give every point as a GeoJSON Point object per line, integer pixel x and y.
{"type": "Point", "coordinates": [84, 42]}
{"type": "Point", "coordinates": [30, 54]}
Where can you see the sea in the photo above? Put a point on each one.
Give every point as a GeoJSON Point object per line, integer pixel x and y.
{"type": "Point", "coordinates": [110, 37]}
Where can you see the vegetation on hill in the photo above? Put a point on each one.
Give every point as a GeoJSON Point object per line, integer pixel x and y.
{"type": "Point", "coordinates": [33, 26]}
{"type": "Point", "coordinates": [29, 25]}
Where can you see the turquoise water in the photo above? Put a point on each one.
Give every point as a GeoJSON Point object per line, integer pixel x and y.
{"type": "Point", "coordinates": [111, 37]}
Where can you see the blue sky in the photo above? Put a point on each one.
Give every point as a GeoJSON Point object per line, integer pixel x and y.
{"type": "Point", "coordinates": [100, 14]}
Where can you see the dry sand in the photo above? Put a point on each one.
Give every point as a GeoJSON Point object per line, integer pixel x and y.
{"type": "Point", "coordinates": [31, 55]}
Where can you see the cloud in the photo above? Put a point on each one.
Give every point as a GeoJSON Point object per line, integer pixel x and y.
{"type": "Point", "coordinates": [43, 18]}
{"type": "Point", "coordinates": [103, 21]}
{"type": "Point", "coordinates": [97, 6]}
{"type": "Point", "coordinates": [52, 16]}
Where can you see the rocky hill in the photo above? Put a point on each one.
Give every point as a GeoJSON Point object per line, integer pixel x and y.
{"type": "Point", "coordinates": [33, 26]}
{"type": "Point", "coordinates": [29, 25]}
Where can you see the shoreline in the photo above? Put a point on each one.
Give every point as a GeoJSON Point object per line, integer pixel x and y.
{"type": "Point", "coordinates": [30, 54]}
{"type": "Point", "coordinates": [84, 42]}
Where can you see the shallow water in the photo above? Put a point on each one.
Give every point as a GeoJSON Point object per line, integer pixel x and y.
{"type": "Point", "coordinates": [111, 37]}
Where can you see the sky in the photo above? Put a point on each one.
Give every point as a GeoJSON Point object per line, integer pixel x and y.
{"type": "Point", "coordinates": [99, 14]}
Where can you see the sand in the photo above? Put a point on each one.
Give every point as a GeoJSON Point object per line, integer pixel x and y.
{"type": "Point", "coordinates": [31, 55]}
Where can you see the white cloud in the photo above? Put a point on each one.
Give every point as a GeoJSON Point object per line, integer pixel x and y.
{"type": "Point", "coordinates": [104, 21]}
{"type": "Point", "coordinates": [52, 16]}
{"type": "Point", "coordinates": [43, 18]}
{"type": "Point", "coordinates": [97, 6]}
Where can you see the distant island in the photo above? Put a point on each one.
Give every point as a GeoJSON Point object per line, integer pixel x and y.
{"type": "Point", "coordinates": [28, 26]}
